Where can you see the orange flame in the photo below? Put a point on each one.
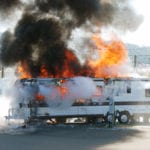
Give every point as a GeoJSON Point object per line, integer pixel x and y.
{"type": "Point", "coordinates": [44, 72]}
{"type": "Point", "coordinates": [40, 97]}
{"type": "Point", "coordinates": [63, 91]}
{"type": "Point", "coordinates": [67, 70]}
{"type": "Point", "coordinates": [23, 71]}
{"type": "Point", "coordinates": [111, 57]}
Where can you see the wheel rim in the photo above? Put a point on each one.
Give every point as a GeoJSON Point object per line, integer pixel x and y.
{"type": "Point", "coordinates": [124, 118]}
{"type": "Point", "coordinates": [110, 118]}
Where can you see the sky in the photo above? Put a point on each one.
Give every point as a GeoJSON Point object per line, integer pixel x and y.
{"type": "Point", "coordinates": [142, 35]}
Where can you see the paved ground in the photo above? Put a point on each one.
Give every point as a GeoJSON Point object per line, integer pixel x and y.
{"type": "Point", "coordinates": [76, 138]}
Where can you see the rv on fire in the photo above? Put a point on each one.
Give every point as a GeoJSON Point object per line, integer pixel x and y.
{"type": "Point", "coordinates": [121, 99]}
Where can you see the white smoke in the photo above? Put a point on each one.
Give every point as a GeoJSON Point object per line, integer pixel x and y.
{"type": "Point", "coordinates": [6, 98]}
{"type": "Point", "coordinates": [9, 99]}
{"type": "Point", "coordinates": [9, 22]}
{"type": "Point", "coordinates": [68, 92]}
{"type": "Point", "coordinates": [80, 42]}
{"type": "Point", "coordinates": [61, 94]}
{"type": "Point", "coordinates": [6, 92]}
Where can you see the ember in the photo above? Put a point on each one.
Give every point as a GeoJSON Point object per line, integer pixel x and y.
{"type": "Point", "coordinates": [39, 97]}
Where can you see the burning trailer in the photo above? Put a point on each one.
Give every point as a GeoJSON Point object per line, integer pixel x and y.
{"type": "Point", "coordinates": [53, 42]}
{"type": "Point", "coordinates": [117, 99]}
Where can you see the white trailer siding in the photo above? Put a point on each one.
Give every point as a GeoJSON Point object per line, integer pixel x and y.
{"type": "Point", "coordinates": [73, 111]}
{"type": "Point", "coordinates": [132, 95]}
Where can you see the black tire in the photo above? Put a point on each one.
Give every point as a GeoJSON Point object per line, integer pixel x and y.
{"type": "Point", "coordinates": [109, 118]}
{"type": "Point", "coordinates": [124, 117]}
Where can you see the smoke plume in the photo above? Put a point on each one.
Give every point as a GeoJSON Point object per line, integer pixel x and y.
{"type": "Point", "coordinates": [40, 38]}
{"type": "Point", "coordinates": [8, 6]}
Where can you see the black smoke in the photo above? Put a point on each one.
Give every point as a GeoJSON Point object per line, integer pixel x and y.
{"type": "Point", "coordinates": [47, 5]}
{"type": "Point", "coordinates": [81, 9]}
{"type": "Point", "coordinates": [37, 42]}
{"type": "Point", "coordinates": [7, 6]}
{"type": "Point", "coordinates": [13, 51]}
{"type": "Point", "coordinates": [40, 36]}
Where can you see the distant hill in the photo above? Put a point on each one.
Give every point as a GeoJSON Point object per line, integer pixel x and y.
{"type": "Point", "coordinates": [137, 50]}
{"type": "Point", "coordinates": [141, 54]}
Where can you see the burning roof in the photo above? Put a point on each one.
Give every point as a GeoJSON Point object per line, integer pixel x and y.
{"type": "Point", "coordinates": [39, 43]}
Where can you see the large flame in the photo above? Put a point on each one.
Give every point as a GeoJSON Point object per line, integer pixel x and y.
{"type": "Point", "coordinates": [22, 70]}
{"type": "Point", "coordinates": [111, 56]}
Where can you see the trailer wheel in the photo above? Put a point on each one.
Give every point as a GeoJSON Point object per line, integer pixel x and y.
{"type": "Point", "coordinates": [109, 118]}
{"type": "Point", "coordinates": [124, 117]}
